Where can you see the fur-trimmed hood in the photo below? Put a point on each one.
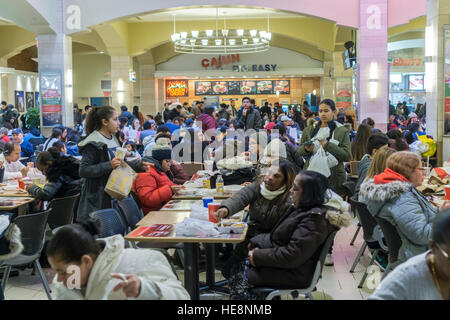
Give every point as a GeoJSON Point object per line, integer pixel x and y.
{"type": "Point", "coordinates": [384, 192]}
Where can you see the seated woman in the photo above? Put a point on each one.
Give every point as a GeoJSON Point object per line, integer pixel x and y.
{"type": "Point", "coordinates": [148, 274]}
{"type": "Point", "coordinates": [62, 174]}
{"type": "Point", "coordinates": [425, 276]}
{"type": "Point", "coordinates": [286, 257]}
{"type": "Point", "coordinates": [154, 188]}
{"type": "Point", "coordinates": [392, 195]}
{"type": "Point", "coordinates": [268, 199]}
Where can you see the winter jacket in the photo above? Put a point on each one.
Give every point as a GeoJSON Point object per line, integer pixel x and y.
{"type": "Point", "coordinates": [63, 180]}
{"type": "Point", "coordinates": [27, 149]}
{"type": "Point", "coordinates": [288, 255]}
{"type": "Point", "coordinates": [158, 281]}
{"type": "Point", "coordinates": [404, 207]}
{"type": "Point", "coordinates": [128, 115]}
{"type": "Point", "coordinates": [208, 122]}
{"type": "Point", "coordinates": [340, 151]}
{"type": "Point", "coordinates": [252, 120]}
{"type": "Point", "coordinates": [95, 168]}
{"type": "Point", "coordinates": [179, 176]}
{"type": "Point", "coordinates": [263, 213]}
{"type": "Point", "coordinates": [153, 188]}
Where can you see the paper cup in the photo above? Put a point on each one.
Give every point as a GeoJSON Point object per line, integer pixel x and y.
{"type": "Point", "coordinates": [447, 192]}
{"type": "Point", "coordinates": [120, 153]}
{"type": "Point", "coordinates": [213, 207]}
{"type": "Point", "coordinates": [207, 200]}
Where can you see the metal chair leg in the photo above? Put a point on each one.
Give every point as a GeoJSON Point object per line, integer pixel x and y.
{"type": "Point", "coordinates": [361, 283]}
{"type": "Point", "coordinates": [180, 253]}
{"type": "Point", "coordinates": [358, 256]}
{"type": "Point", "coordinates": [43, 279]}
{"type": "Point", "coordinates": [356, 234]}
{"type": "Point", "coordinates": [6, 273]}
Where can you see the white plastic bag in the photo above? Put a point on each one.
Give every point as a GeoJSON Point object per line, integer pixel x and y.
{"type": "Point", "coordinates": [199, 212]}
{"type": "Point", "coordinates": [196, 228]}
{"type": "Point", "coordinates": [418, 147]}
{"type": "Point", "coordinates": [319, 163]}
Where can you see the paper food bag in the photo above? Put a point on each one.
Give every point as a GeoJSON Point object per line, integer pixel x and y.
{"type": "Point", "coordinates": [120, 181]}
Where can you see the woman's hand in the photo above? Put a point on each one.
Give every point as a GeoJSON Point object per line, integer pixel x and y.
{"type": "Point", "coordinates": [221, 213]}
{"type": "Point", "coordinates": [29, 186]}
{"type": "Point", "coordinates": [246, 184]}
{"type": "Point", "coordinates": [115, 163]}
{"type": "Point", "coordinates": [175, 188]}
{"type": "Point", "coordinates": [250, 256]}
{"type": "Point", "coordinates": [24, 171]}
{"type": "Point", "coordinates": [309, 148]}
{"type": "Point", "coordinates": [131, 286]}
{"type": "Point", "coordinates": [323, 143]}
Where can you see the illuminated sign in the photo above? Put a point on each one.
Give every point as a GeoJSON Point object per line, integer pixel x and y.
{"type": "Point", "coordinates": [176, 88]}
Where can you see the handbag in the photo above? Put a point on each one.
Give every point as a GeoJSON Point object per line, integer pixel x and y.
{"type": "Point", "coordinates": [120, 181]}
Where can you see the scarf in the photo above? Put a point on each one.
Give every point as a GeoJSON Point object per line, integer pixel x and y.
{"type": "Point", "coordinates": [270, 195]}
{"type": "Point", "coordinates": [389, 176]}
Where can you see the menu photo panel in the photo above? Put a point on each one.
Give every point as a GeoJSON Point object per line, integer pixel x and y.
{"type": "Point", "coordinates": [203, 88]}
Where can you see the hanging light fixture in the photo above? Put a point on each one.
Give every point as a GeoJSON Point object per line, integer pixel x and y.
{"type": "Point", "coordinates": [221, 41]}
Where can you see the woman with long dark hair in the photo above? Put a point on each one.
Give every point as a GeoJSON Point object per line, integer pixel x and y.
{"type": "Point", "coordinates": [98, 160]}
{"type": "Point", "coordinates": [359, 144]}
{"type": "Point", "coordinates": [286, 256]}
{"type": "Point", "coordinates": [333, 137]}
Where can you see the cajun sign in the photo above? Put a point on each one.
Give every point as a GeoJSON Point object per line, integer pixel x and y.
{"type": "Point", "coordinates": [176, 88]}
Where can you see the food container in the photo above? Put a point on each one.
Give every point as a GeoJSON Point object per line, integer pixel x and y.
{"type": "Point", "coordinates": [447, 192]}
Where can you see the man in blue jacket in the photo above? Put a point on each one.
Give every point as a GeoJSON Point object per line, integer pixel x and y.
{"type": "Point", "coordinates": [27, 147]}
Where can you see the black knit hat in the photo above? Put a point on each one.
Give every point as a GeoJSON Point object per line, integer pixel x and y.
{"type": "Point", "coordinates": [161, 150]}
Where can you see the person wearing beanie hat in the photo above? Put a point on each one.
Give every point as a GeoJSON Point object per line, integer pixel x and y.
{"type": "Point", "coordinates": [154, 188]}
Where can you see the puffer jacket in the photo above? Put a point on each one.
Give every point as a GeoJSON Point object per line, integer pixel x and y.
{"type": "Point", "coordinates": [63, 180]}
{"type": "Point", "coordinates": [153, 187]}
{"type": "Point", "coordinates": [404, 207]}
{"type": "Point", "coordinates": [263, 213]}
{"type": "Point", "coordinates": [288, 255]}
{"type": "Point", "coordinates": [158, 281]}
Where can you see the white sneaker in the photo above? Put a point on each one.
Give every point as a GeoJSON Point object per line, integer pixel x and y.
{"type": "Point", "coordinates": [329, 260]}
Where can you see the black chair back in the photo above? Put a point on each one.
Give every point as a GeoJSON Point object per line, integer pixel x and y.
{"type": "Point", "coordinates": [392, 238]}
{"type": "Point", "coordinates": [62, 211]}
{"type": "Point", "coordinates": [325, 248]}
{"type": "Point", "coordinates": [36, 141]}
{"type": "Point", "coordinates": [368, 222]}
{"type": "Point", "coordinates": [130, 211]}
{"type": "Point", "coordinates": [111, 222]}
{"type": "Point", "coordinates": [32, 228]}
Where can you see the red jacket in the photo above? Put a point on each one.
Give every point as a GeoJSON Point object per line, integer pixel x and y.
{"type": "Point", "coordinates": [153, 189]}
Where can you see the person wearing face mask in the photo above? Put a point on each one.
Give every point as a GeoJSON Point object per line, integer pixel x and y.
{"type": "Point", "coordinates": [106, 270]}
{"type": "Point", "coordinates": [268, 199]}
{"type": "Point", "coordinates": [392, 195]}
{"type": "Point", "coordinates": [333, 137]}
{"type": "Point", "coordinates": [286, 256]}
{"type": "Point", "coordinates": [425, 276]}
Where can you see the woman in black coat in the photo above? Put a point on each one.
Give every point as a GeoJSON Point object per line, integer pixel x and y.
{"type": "Point", "coordinates": [287, 256]}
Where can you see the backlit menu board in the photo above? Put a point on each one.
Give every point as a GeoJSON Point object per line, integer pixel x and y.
{"type": "Point", "coordinates": [176, 88]}
{"type": "Point", "coordinates": [245, 87]}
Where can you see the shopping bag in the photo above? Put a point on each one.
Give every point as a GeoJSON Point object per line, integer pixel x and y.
{"type": "Point", "coordinates": [319, 163]}
{"type": "Point", "coordinates": [431, 145]}
{"type": "Point", "coordinates": [120, 181]}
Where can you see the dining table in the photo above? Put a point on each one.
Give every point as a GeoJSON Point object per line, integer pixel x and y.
{"type": "Point", "coordinates": [191, 247]}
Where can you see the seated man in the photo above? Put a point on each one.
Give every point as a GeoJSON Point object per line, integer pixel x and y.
{"type": "Point", "coordinates": [27, 147]}
{"type": "Point", "coordinates": [10, 160]}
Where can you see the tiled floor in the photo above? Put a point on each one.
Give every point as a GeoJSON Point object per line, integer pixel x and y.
{"type": "Point", "coordinates": [337, 283]}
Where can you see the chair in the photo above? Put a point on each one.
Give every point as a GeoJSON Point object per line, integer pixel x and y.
{"type": "Point", "coordinates": [272, 293]}
{"type": "Point", "coordinates": [62, 211]}
{"type": "Point", "coordinates": [354, 168]}
{"type": "Point", "coordinates": [36, 141]}
{"type": "Point", "coordinates": [348, 189]}
{"type": "Point", "coordinates": [368, 224]}
{"type": "Point", "coordinates": [32, 227]}
{"type": "Point", "coordinates": [111, 222]}
{"type": "Point", "coordinates": [191, 168]}
{"type": "Point", "coordinates": [393, 240]}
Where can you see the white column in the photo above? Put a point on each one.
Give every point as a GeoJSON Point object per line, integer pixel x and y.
{"type": "Point", "coordinates": [122, 88]}
{"type": "Point", "coordinates": [148, 89]}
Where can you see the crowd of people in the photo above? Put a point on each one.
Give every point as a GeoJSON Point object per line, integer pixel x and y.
{"type": "Point", "coordinates": [295, 191]}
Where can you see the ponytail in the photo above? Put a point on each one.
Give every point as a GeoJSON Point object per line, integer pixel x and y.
{"type": "Point", "coordinates": [96, 115]}
{"type": "Point", "coordinates": [74, 241]}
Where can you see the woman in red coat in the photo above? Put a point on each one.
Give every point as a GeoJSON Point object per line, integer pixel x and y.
{"type": "Point", "coordinates": [154, 188]}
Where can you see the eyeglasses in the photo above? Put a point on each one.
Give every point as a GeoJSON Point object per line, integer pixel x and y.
{"type": "Point", "coordinates": [445, 254]}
